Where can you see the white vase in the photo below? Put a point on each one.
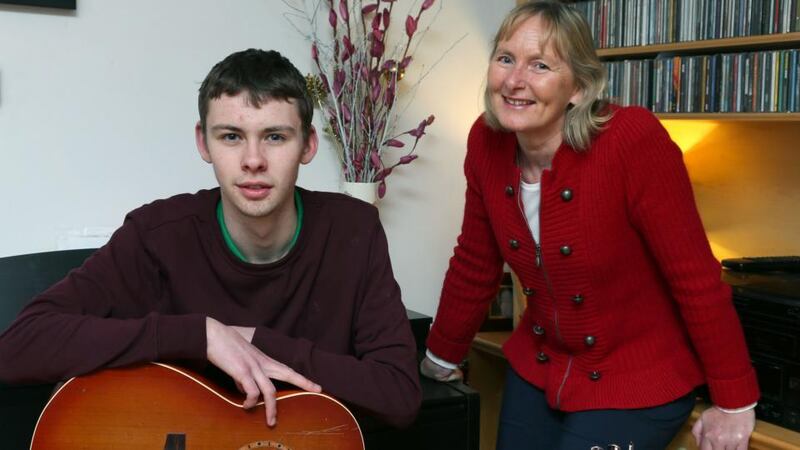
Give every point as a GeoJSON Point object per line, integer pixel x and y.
{"type": "Point", "coordinates": [367, 192]}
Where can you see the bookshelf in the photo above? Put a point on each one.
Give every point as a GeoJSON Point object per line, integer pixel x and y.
{"type": "Point", "coordinates": [733, 116]}
{"type": "Point", "coordinates": [744, 165]}
{"type": "Point", "coordinates": [755, 34]}
{"type": "Point", "coordinates": [701, 59]}
{"type": "Point", "coordinates": [767, 41]}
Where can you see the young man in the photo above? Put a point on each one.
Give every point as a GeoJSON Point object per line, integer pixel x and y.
{"type": "Point", "coordinates": [263, 279]}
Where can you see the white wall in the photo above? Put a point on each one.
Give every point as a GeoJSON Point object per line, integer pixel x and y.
{"type": "Point", "coordinates": [97, 109]}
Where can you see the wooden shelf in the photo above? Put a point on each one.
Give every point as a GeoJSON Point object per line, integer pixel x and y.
{"type": "Point", "coordinates": [765, 41]}
{"type": "Point", "coordinates": [491, 342]}
{"type": "Point", "coordinates": [767, 117]}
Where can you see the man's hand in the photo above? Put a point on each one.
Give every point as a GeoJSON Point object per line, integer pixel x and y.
{"type": "Point", "coordinates": [229, 348]}
{"type": "Point", "coordinates": [432, 370]}
{"type": "Point", "coordinates": [718, 430]}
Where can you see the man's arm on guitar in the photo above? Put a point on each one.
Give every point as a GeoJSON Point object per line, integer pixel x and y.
{"type": "Point", "coordinates": [101, 315]}
{"type": "Point", "coordinates": [105, 315]}
{"type": "Point", "coordinates": [381, 375]}
{"type": "Point", "coordinates": [229, 348]}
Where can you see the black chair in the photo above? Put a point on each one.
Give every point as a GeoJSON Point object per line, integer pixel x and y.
{"type": "Point", "coordinates": [21, 278]}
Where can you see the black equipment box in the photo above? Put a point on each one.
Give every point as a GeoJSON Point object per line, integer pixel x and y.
{"type": "Point", "coordinates": [769, 309]}
{"type": "Point", "coordinates": [449, 417]}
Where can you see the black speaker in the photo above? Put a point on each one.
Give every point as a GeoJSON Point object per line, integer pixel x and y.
{"type": "Point", "coordinates": [769, 310]}
{"type": "Point", "coordinates": [448, 419]}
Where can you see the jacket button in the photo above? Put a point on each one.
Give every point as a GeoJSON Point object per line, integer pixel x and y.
{"type": "Point", "coordinates": [595, 375]}
{"type": "Point", "coordinates": [566, 195]}
{"type": "Point", "coordinates": [566, 250]}
{"type": "Point", "coordinates": [589, 340]}
{"type": "Point", "coordinates": [538, 330]}
{"type": "Point", "coordinates": [577, 299]}
{"type": "Point", "coordinates": [513, 243]}
{"type": "Point", "coordinates": [541, 357]}
{"type": "Point", "coordinates": [509, 190]}
{"type": "Point", "coordinates": [528, 291]}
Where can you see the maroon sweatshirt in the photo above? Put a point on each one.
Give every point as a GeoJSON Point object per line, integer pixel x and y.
{"type": "Point", "coordinates": [330, 308]}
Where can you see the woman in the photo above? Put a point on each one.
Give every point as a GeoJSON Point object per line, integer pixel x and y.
{"type": "Point", "coordinates": [591, 206]}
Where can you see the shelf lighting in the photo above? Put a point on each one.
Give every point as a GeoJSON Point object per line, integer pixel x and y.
{"type": "Point", "coordinates": [688, 133]}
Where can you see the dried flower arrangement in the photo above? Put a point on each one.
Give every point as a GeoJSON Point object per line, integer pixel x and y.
{"type": "Point", "coordinates": [356, 84]}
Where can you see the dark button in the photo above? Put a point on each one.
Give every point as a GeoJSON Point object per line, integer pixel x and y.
{"type": "Point", "coordinates": [589, 340]}
{"type": "Point", "coordinates": [577, 299]}
{"type": "Point", "coordinates": [538, 330]}
{"type": "Point", "coordinates": [528, 291]}
{"type": "Point", "coordinates": [595, 375]}
{"type": "Point", "coordinates": [566, 195]}
{"type": "Point", "coordinates": [513, 243]}
{"type": "Point", "coordinates": [566, 250]}
{"type": "Point", "coordinates": [541, 357]}
{"type": "Point", "coordinates": [509, 190]}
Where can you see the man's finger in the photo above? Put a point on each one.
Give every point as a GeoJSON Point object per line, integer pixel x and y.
{"type": "Point", "coordinates": [268, 393]}
{"type": "Point", "coordinates": [278, 371]}
{"type": "Point", "coordinates": [252, 392]}
{"type": "Point", "coordinates": [303, 382]}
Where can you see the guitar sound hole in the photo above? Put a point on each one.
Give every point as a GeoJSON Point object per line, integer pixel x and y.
{"type": "Point", "coordinates": [265, 444]}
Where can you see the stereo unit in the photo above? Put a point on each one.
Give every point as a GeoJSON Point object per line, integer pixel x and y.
{"type": "Point", "coordinates": [769, 310]}
{"type": "Point", "coordinates": [449, 417]}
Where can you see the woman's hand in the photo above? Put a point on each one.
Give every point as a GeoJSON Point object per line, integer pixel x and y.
{"type": "Point", "coordinates": [432, 370]}
{"type": "Point", "coordinates": [718, 430]}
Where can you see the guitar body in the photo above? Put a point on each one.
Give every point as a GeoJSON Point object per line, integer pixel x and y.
{"type": "Point", "coordinates": [159, 407]}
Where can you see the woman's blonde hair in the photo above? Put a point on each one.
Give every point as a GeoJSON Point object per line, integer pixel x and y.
{"type": "Point", "coordinates": [572, 42]}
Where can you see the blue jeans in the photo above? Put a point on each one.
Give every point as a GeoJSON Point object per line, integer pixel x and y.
{"type": "Point", "coordinates": [527, 422]}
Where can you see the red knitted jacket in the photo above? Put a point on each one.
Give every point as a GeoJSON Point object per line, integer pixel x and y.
{"type": "Point", "coordinates": [627, 309]}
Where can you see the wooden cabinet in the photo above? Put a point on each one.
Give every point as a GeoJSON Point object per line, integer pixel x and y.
{"type": "Point", "coordinates": [487, 368]}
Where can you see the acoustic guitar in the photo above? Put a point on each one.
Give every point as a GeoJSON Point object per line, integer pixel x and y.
{"type": "Point", "coordinates": [161, 407]}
